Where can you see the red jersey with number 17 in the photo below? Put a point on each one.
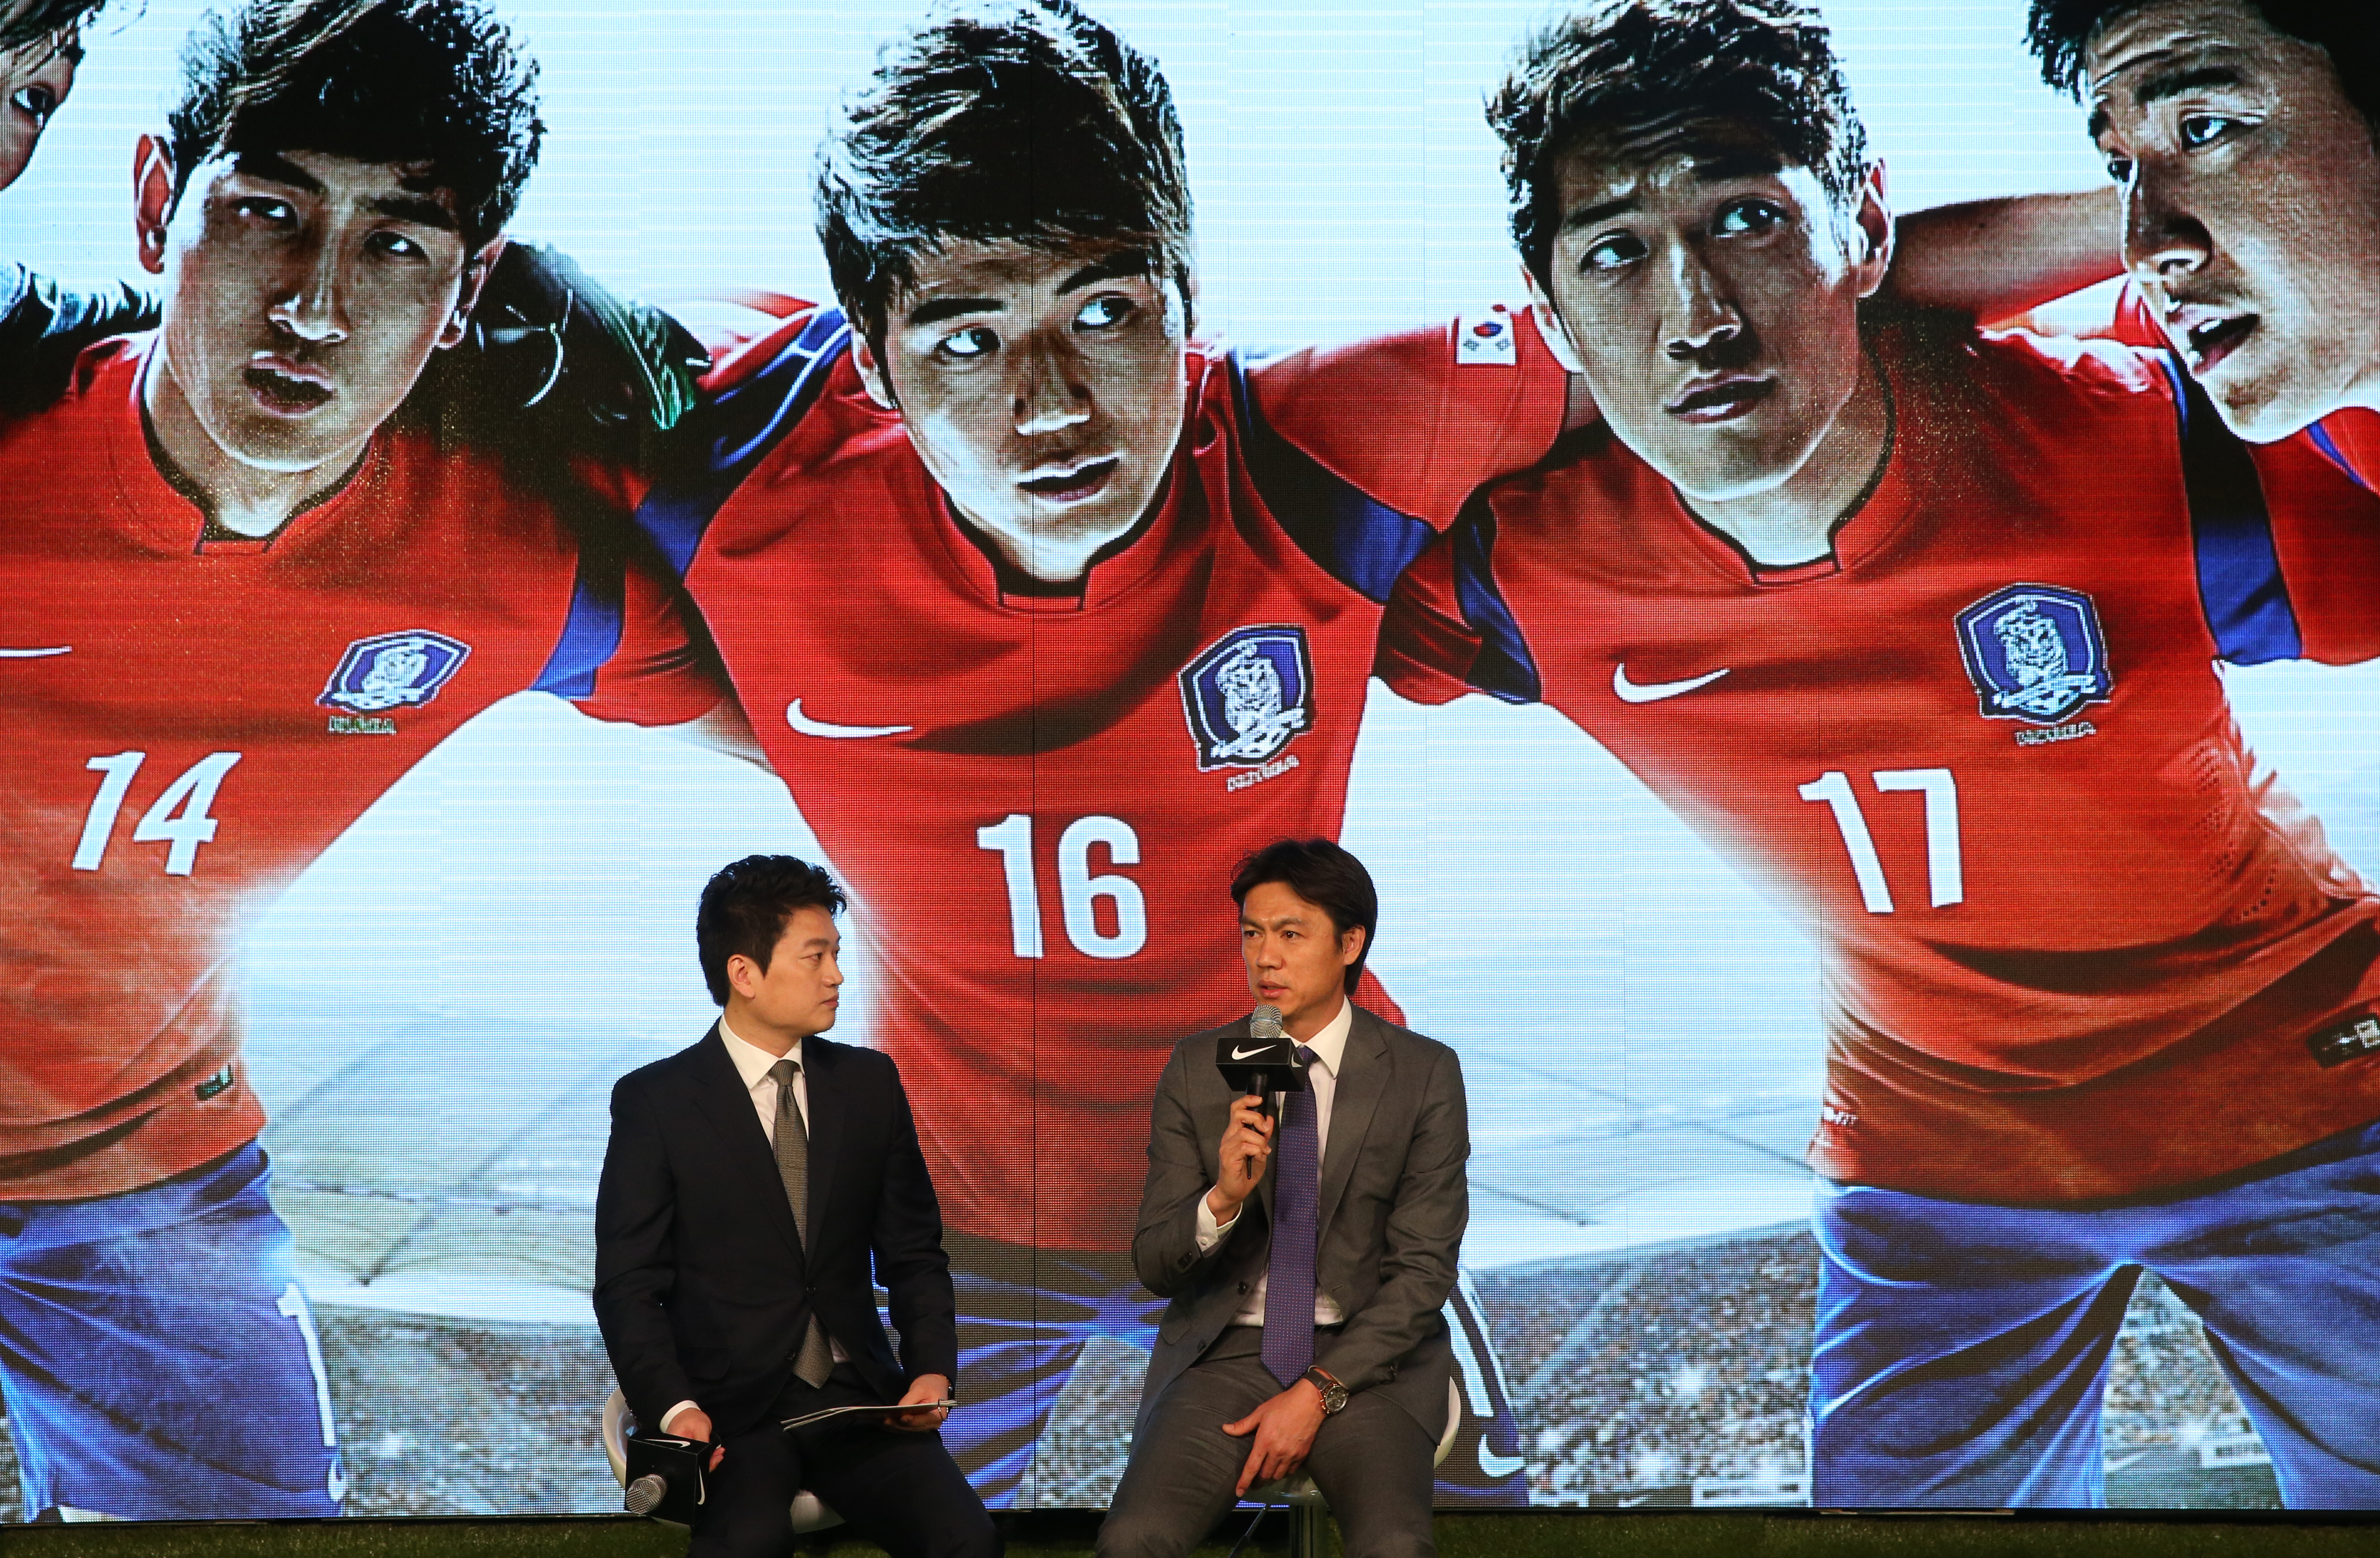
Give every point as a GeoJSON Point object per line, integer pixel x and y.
{"type": "Point", "coordinates": [1040, 803]}
{"type": "Point", "coordinates": [2073, 947]}
{"type": "Point", "coordinates": [190, 719]}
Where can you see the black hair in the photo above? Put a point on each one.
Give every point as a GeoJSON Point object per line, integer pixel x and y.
{"type": "Point", "coordinates": [747, 907]}
{"type": "Point", "coordinates": [1001, 121]}
{"type": "Point", "coordinates": [441, 82]}
{"type": "Point", "coordinates": [30, 21]}
{"type": "Point", "coordinates": [2059, 32]}
{"type": "Point", "coordinates": [1324, 875]}
{"type": "Point", "coordinates": [1618, 64]}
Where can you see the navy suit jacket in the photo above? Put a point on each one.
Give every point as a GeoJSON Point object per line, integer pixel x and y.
{"type": "Point", "coordinates": [703, 1289]}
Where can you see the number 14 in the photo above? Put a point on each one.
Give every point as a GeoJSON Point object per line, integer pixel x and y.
{"type": "Point", "coordinates": [1943, 872]}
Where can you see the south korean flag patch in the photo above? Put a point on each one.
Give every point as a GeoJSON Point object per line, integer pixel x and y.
{"type": "Point", "coordinates": [1248, 694]}
{"type": "Point", "coordinates": [1486, 340]}
{"type": "Point", "coordinates": [394, 671]}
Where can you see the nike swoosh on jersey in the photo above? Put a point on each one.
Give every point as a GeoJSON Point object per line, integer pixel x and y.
{"type": "Point", "coordinates": [35, 654]}
{"type": "Point", "coordinates": [808, 726]}
{"type": "Point", "coordinates": [1498, 1466]}
{"type": "Point", "coordinates": [1653, 692]}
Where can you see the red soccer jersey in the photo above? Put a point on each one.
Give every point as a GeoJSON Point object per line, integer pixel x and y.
{"type": "Point", "coordinates": [1039, 803]}
{"type": "Point", "coordinates": [2072, 948]}
{"type": "Point", "coordinates": [190, 721]}
{"type": "Point", "coordinates": [2348, 439]}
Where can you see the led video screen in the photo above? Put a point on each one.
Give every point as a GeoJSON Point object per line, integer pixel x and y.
{"type": "Point", "coordinates": [1930, 954]}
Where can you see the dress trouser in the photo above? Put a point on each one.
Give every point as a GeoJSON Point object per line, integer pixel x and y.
{"type": "Point", "coordinates": [899, 1489]}
{"type": "Point", "coordinates": [1371, 1462]}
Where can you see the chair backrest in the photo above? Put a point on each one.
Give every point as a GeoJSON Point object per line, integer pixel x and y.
{"type": "Point", "coordinates": [616, 1435]}
{"type": "Point", "coordinates": [1454, 1422]}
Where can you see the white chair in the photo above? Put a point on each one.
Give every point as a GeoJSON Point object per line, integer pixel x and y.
{"type": "Point", "coordinates": [1308, 1509]}
{"type": "Point", "coordinates": [810, 1512]}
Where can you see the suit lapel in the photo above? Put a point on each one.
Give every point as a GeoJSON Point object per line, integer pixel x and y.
{"type": "Point", "coordinates": [1364, 1075]}
{"type": "Point", "coordinates": [822, 1075]}
{"type": "Point", "coordinates": [723, 1099]}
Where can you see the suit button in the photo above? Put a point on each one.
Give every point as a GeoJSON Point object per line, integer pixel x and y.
{"type": "Point", "coordinates": [1244, 1288]}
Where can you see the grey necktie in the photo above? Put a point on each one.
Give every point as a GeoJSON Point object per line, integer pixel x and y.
{"type": "Point", "coordinates": [815, 1360]}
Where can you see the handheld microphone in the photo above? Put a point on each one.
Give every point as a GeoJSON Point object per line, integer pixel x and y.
{"type": "Point", "coordinates": [1265, 1061]}
{"type": "Point", "coordinates": [645, 1494]}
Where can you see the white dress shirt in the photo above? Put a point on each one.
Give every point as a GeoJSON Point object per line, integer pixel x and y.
{"type": "Point", "coordinates": [1330, 1048]}
{"type": "Point", "coordinates": [752, 1063]}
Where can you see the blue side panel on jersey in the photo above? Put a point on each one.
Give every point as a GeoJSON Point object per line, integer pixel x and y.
{"type": "Point", "coordinates": [1504, 668]}
{"type": "Point", "coordinates": [2322, 440]}
{"type": "Point", "coordinates": [1357, 541]}
{"type": "Point", "coordinates": [591, 634]}
{"type": "Point", "coordinates": [2239, 582]}
{"type": "Point", "coordinates": [724, 438]}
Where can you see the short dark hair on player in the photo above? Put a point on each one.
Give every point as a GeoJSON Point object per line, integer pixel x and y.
{"type": "Point", "coordinates": [1619, 63]}
{"type": "Point", "coordinates": [1323, 874]}
{"type": "Point", "coordinates": [30, 21]}
{"type": "Point", "coordinates": [441, 82]}
{"type": "Point", "coordinates": [747, 907]}
{"type": "Point", "coordinates": [2060, 31]}
{"type": "Point", "coordinates": [1001, 121]}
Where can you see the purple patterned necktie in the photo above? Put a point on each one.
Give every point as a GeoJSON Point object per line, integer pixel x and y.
{"type": "Point", "coordinates": [1289, 1276]}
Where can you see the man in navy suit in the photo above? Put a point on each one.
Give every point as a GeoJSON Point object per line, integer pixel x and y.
{"type": "Point", "coordinates": [748, 1184]}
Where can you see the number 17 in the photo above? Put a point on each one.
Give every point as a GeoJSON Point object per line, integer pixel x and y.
{"type": "Point", "coordinates": [1943, 872]}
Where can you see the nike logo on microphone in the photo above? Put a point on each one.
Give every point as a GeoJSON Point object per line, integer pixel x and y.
{"type": "Point", "coordinates": [808, 726]}
{"type": "Point", "coordinates": [1653, 692]}
{"type": "Point", "coordinates": [1243, 1054]}
{"type": "Point", "coordinates": [35, 654]}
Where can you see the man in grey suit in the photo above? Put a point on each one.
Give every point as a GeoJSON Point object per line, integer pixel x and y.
{"type": "Point", "coordinates": [1305, 1275]}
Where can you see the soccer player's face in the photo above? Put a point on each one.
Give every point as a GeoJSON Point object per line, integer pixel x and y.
{"type": "Point", "coordinates": [1044, 391]}
{"type": "Point", "coordinates": [798, 993]}
{"type": "Point", "coordinates": [1295, 959]}
{"type": "Point", "coordinates": [1710, 301]}
{"type": "Point", "coordinates": [34, 81]}
{"type": "Point", "coordinates": [2251, 206]}
{"type": "Point", "coordinates": [304, 293]}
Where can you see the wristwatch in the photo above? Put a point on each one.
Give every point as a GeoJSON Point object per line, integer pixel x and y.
{"type": "Point", "coordinates": [1334, 1395]}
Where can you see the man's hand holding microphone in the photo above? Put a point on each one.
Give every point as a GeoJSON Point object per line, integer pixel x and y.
{"type": "Point", "coordinates": [1240, 1163]}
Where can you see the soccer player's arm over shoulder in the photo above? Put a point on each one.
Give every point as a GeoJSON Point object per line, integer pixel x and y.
{"type": "Point", "coordinates": [1418, 420]}
{"type": "Point", "coordinates": [43, 326]}
{"type": "Point", "coordinates": [1427, 649]}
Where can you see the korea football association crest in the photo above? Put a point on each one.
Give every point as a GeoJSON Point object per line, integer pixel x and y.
{"type": "Point", "coordinates": [394, 671]}
{"type": "Point", "coordinates": [1247, 695]}
{"type": "Point", "coordinates": [2035, 653]}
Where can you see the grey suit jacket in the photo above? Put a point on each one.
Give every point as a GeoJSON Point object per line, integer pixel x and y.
{"type": "Point", "coordinates": [1394, 1201]}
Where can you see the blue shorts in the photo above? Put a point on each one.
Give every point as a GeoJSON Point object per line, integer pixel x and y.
{"type": "Point", "coordinates": [1020, 1340]}
{"type": "Point", "coordinates": [1961, 1351]}
{"type": "Point", "coordinates": [157, 1356]}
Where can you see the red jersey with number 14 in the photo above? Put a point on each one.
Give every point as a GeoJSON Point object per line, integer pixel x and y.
{"type": "Point", "coordinates": [1039, 803]}
{"type": "Point", "coordinates": [190, 720]}
{"type": "Point", "coordinates": [2072, 946]}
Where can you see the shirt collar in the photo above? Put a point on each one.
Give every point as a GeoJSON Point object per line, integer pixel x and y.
{"type": "Point", "coordinates": [1330, 1044]}
{"type": "Point", "coordinates": [752, 1062]}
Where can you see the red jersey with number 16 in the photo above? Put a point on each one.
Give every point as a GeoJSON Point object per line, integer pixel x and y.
{"type": "Point", "coordinates": [2074, 946]}
{"type": "Point", "coordinates": [189, 720]}
{"type": "Point", "coordinates": [1039, 803]}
